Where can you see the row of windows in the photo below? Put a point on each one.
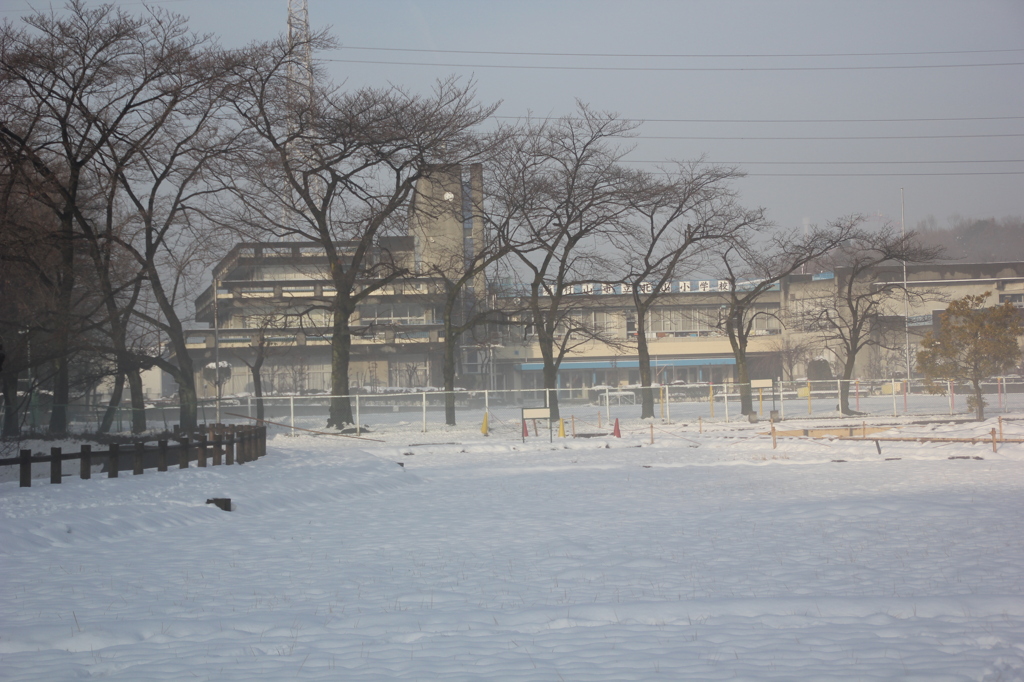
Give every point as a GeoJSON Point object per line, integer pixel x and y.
{"type": "Point", "coordinates": [691, 319]}
{"type": "Point", "coordinates": [700, 319]}
{"type": "Point", "coordinates": [374, 313]}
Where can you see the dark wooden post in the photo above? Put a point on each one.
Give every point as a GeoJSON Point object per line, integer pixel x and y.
{"type": "Point", "coordinates": [161, 455]}
{"type": "Point", "coordinates": [202, 449]}
{"type": "Point", "coordinates": [85, 462]}
{"type": "Point", "coordinates": [229, 449]}
{"type": "Point", "coordinates": [139, 449]}
{"type": "Point", "coordinates": [183, 453]}
{"type": "Point", "coordinates": [262, 435]}
{"type": "Point", "coordinates": [243, 445]}
{"type": "Point", "coordinates": [218, 448]}
{"type": "Point", "coordinates": [25, 469]}
{"type": "Point", "coordinates": [113, 460]}
{"type": "Point", "coordinates": [55, 460]}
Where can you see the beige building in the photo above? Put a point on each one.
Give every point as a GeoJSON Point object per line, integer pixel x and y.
{"type": "Point", "coordinates": [280, 293]}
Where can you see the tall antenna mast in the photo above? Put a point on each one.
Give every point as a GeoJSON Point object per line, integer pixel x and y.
{"type": "Point", "coordinates": [300, 69]}
{"type": "Point", "coordinates": [299, 93]}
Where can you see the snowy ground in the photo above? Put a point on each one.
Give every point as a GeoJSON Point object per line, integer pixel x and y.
{"type": "Point", "coordinates": [702, 557]}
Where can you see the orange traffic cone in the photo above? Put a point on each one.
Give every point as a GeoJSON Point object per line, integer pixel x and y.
{"type": "Point", "coordinates": [615, 431]}
{"type": "Point", "coordinates": [526, 429]}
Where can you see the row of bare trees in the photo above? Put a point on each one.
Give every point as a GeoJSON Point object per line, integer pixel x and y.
{"type": "Point", "coordinates": [133, 151]}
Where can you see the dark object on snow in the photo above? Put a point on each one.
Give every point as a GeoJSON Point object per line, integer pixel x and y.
{"type": "Point", "coordinates": [752, 417]}
{"type": "Point", "coordinates": [964, 457]}
{"type": "Point", "coordinates": [401, 464]}
{"type": "Point", "coordinates": [819, 370]}
{"type": "Point", "coordinates": [839, 460]}
{"type": "Point", "coordinates": [892, 459]}
{"type": "Point", "coordinates": [222, 502]}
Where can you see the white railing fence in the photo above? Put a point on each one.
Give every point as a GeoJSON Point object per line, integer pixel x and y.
{"type": "Point", "coordinates": [585, 410]}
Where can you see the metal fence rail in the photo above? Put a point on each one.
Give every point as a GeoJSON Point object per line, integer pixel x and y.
{"type": "Point", "coordinates": [588, 409]}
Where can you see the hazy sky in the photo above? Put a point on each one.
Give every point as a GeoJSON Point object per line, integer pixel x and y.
{"type": "Point", "coordinates": [808, 97]}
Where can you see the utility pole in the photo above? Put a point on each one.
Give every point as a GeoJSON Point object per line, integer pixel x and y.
{"type": "Point", "coordinates": [216, 344]}
{"type": "Point", "coordinates": [906, 291]}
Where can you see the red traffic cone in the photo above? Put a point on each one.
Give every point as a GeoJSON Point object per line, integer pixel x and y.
{"type": "Point", "coordinates": [526, 429]}
{"type": "Point", "coordinates": [615, 431]}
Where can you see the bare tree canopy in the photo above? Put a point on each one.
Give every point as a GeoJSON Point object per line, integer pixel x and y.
{"type": "Point", "coordinates": [753, 266]}
{"type": "Point", "coordinates": [564, 189]}
{"type": "Point", "coordinates": [848, 315]}
{"type": "Point", "coordinates": [673, 223]}
{"type": "Point", "coordinates": [338, 169]}
{"type": "Point", "coordinates": [110, 117]}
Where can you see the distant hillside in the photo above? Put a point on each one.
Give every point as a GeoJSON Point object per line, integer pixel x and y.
{"type": "Point", "coordinates": [977, 241]}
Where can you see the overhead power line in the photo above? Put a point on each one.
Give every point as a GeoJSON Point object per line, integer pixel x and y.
{"type": "Point", "coordinates": [679, 56]}
{"type": "Point", "coordinates": [784, 120]}
{"type": "Point", "coordinates": [876, 175]}
{"type": "Point", "coordinates": [546, 67]}
{"type": "Point", "coordinates": [850, 137]}
{"type": "Point", "coordinates": [839, 163]}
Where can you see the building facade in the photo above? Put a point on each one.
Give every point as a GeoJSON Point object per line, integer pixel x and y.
{"type": "Point", "coordinates": [272, 300]}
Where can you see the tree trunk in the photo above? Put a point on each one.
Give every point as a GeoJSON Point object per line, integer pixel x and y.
{"type": "Point", "coordinates": [644, 356]}
{"type": "Point", "coordinates": [979, 400]}
{"type": "Point", "coordinates": [551, 382]}
{"type": "Point", "coordinates": [66, 286]}
{"type": "Point", "coordinates": [738, 340]}
{"type": "Point", "coordinates": [138, 400]}
{"type": "Point", "coordinates": [115, 402]}
{"type": "Point", "coordinates": [743, 382]}
{"type": "Point", "coordinates": [12, 425]}
{"type": "Point", "coordinates": [448, 374]}
{"type": "Point", "coordinates": [257, 387]}
{"type": "Point", "coordinates": [188, 406]}
{"type": "Point", "coordinates": [844, 386]}
{"type": "Point", "coordinates": [341, 351]}
{"type": "Point", "coordinates": [61, 390]}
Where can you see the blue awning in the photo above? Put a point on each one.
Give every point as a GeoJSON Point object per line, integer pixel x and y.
{"type": "Point", "coordinates": [656, 363]}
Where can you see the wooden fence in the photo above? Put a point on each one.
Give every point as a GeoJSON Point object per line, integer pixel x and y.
{"type": "Point", "coordinates": [216, 444]}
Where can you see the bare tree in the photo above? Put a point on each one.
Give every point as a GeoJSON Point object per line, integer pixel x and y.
{"type": "Point", "coordinates": [261, 347]}
{"type": "Point", "coordinates": [336, 168]}
{"type": "Point", "coordinates": [561, 183]}
{"type": "Point", "coordinates": [791, 352]}
{"type": "Point", "coordinates": [674, 222]}
{"type": "Point", "coordinates": [849, 314]}
{"type": "Point", "coordinates": [460, 274]}
{"type": "Point", "coordinates": [752, 266]}
{"type": "Point", "coordinates": [113, 109]}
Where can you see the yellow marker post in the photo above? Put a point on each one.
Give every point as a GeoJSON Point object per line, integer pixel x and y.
{"type": "Point", "coordinates": [561, 428]}
{"type": "Point", "coordinates": [711, 398]}
{"type": "Point", "coordinates": [485, 428]}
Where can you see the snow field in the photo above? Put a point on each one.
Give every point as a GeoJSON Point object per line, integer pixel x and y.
{"type": "Point", "coordinates": [724, 559]}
